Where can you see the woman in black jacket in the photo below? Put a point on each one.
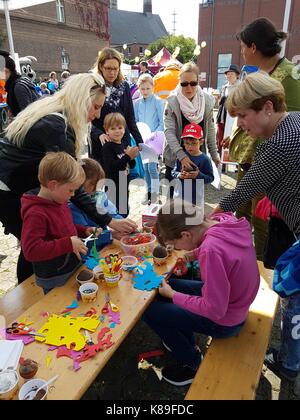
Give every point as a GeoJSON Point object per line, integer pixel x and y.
{"type": "Point", "coordinates": [55, 123]}
{"type": "Point", "coordinates": [118, 99]}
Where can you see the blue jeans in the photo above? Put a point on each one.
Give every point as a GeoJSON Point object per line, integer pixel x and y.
{"type": "Point", "coordinates": [152, 177]}
{"type": "Point", "coordinates": [289, 353]}
{"type": "Point", "coordinates": [176, 326]}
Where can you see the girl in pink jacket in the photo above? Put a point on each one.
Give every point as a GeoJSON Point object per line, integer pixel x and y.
{"type": "Point", "coordinates": [217, 305]}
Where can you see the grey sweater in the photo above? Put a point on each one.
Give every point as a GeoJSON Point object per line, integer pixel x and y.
{"type": "Point", "coordinates": [173, 130]}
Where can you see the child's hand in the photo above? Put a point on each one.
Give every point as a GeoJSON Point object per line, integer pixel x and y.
{"type": "Point", "coordinates": [132, 152]}
{"type": "Point", "coordinates": [78, 247]}
{"type": "Point", "coordinates": [91, 230]}
{"type": "Point", "coordinates": [193, 174]}
{"type": "Point", "coordinates": [166, 290]}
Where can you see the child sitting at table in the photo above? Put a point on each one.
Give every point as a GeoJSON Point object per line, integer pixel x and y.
{"type": "Point", "coordinates": [217, 305]}
{"type": "Point", "coordinates": [94, 174]}
{"type": "Point", "coordinates": [49, 237]}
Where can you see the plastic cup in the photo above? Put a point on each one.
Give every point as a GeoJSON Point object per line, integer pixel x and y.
{"type": "Point", "coordinates": [112, 280]}
{"type": "Point", "coordinates": [32, 385]}
{"type": "Point", "coordinates": [8, 392]}
{"type": "Point", "coordinates": [88, 292]}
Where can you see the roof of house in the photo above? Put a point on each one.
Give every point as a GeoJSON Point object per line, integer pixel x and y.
{"type": "Point", "coordinates": [133, 27]}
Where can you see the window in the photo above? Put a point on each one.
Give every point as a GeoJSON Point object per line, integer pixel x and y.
{"type": "Point", "coordinates": [141, 51]}
{"type": "Point", "coordinates": [224, 61]}
{"type": "Point", "coordinates": [129, 51]}
{"type": "Point", "coordinates": [65, 61]}
{"type": "Point", "coordinates": [60, 11]}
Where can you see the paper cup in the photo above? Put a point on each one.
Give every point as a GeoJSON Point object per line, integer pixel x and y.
{"type": "Point", "coordinates": [112, 280]}
{"type": "Point", "coordinates": [129, 262]}
{"type": "Point", "coordinates": [32, 385]}
{"type": "Point", "coordinates": [98, 272]}
{"type": "Point", "coordinates": [160, 261]}
{"type": "Point", "coordinates": [9, 384]}
{"type": "Point", "coordinates": [88, 292]}
{"type": "Point", "coordinates": [84, 276]}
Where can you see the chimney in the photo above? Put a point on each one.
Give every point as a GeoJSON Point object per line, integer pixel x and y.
{"type": "Point", "coordinates": [147, 6]}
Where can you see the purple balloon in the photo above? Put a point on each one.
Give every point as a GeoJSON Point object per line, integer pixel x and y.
{"type": "Point", "coordinates": [156, 142]}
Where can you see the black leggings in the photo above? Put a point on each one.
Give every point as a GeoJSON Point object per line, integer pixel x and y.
{"type": "Point", "coordinates": [10, 216]}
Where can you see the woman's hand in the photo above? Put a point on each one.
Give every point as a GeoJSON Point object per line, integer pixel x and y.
{"type": "Point", "coordinates": [187, 164]}
{"type": "Point", "coordinates": [123, 226]}
{"type": "Point", "coordinates": [217, 161]}
{"type": "Point", "coordinates": [166, 290]}
{"type": "Point", "coordinates": [132, 152]}
{"type": "Point", "coordinates": [78, 247]}
{"type": "Point", "coordinates": [104, 139]}
{"type": "Point", "coordinates": [91, 230]}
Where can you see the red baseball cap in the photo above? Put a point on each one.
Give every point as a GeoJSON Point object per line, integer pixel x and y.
{"type": "Point", "coordinates": [192, 130]}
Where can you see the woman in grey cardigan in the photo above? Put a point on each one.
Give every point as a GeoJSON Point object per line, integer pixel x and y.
{"type": "Point", "coordinates": [188, 104]}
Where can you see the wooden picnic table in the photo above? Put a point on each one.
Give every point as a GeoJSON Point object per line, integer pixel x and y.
{"type": "Point", "coordinates": [72, 385]}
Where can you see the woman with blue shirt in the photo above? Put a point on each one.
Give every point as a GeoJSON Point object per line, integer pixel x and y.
{"type": "Point", "coordinates": [149, 110]}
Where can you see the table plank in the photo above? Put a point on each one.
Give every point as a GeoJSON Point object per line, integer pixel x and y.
{"type": "Point", "coordinates": [132, 303]}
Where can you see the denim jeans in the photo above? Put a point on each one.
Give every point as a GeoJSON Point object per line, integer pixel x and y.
{"type": "Point", "coordinates": [152, 177]}
{"type": "Point", "coordinates": [289, 353]}
{"type": "Point", "coordinates": [176, 326]}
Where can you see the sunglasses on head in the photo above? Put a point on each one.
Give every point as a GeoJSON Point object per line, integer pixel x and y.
{"type": "Point", "coordinates": [185, 84]}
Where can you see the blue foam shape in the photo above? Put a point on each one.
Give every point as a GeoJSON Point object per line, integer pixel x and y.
{"type": "Point", "coordinates": [146, 278]}
{"type": "Point", "coordinates": [73, 305]}
{"type": "Point", "coordinates": [91, 263]}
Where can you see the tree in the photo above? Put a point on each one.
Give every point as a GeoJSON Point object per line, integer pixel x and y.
{"type": "Point", "coordinates": [187, 46]}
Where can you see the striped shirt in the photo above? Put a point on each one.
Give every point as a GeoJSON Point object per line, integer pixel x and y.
{"type": "Point", "coordinates": [275, 172]}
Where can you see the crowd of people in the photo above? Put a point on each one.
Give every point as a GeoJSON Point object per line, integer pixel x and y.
{"type": "Point", "coordinates": [50, 197]}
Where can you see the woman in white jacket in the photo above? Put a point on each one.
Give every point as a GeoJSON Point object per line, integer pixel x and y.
{"type": "Point", "coordinates": [188, 104]}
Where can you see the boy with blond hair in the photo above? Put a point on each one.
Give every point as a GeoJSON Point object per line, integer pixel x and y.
{"type": "Point", "coordinates": [118, 159]}
{"type": "Point", "coordinates": [49, 237]}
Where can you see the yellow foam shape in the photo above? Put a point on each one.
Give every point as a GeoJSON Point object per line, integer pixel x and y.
{"type": "Point", "coordinates": [65, 331]}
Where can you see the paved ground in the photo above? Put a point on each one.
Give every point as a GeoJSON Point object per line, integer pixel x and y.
{"type": "Point", "coordinates": [121, 379]}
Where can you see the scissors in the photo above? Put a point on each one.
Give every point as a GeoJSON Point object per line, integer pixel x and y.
{"type": "Point", "coordinates": [21, 329]}
{"type": "Point", "coordinates": [103, 264]}
{"type": "Point", "coordinates": [114, 307]}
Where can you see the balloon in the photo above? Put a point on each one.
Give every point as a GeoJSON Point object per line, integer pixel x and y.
{"type": "Point", "coordinates": [156, 142]}
{"type": "Point", "coordinates": [51, 86]}
{"type": "Point", "coordinates": [144, 129]}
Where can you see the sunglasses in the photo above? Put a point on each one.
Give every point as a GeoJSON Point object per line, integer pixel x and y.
{"type": "Point", "coordinates": [186, 84]}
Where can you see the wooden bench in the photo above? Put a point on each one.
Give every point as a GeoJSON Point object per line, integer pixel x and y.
{"type": "Point", "coordinates": [231, 367]}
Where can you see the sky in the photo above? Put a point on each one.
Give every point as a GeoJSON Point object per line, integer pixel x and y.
{"type": "Point", "coordinates": [187, 14]}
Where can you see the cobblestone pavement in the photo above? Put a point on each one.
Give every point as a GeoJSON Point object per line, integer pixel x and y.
{"type": "Point", "coordinates": [131, 384]}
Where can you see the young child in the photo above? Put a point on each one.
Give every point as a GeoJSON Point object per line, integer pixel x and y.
{"type": "Point", "coordinates": [94, 174]}
{"type": "Point", "coordinates": [50, 240]}
{"type": "Point", "coordinates": [118, 159]}
{"type": "Point", "coordinates": [218, 305]}
{"type": "Point", "coordinates": [149, 110]}
{"type": "Point", "coordinates": [193, 191]}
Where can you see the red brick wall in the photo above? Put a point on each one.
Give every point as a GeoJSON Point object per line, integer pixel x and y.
{"type": "Point", "coordinates": [36, 32]}
{"type": "Point", "coordinates": [229, 18]}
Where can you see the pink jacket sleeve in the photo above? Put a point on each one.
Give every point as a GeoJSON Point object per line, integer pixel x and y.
{"type": "Point", "coordinates": [213, 303]}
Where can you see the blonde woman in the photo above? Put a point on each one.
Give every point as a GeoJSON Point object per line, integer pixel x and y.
{"type": "Point", "coordinates": [259, 105]}
{"type": "Point", "coordinates": [118, 99]}
{"type": "Point", "coordinates": [56, 123]}
{"type": "Point", "coordinates": [188, 104]}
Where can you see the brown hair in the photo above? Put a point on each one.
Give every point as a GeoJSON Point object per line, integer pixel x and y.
{"type": "Point", "coordinates": [60, 167]}
{"type": "Point", "coordinates": [92, 169]}
{"type": "Point", "coordinates": [254, 92]}
{"type": "Point", "coordinates": [113, 119]}
{"type": "Point", "coordinates": [175, 217]}
{"type": "Point", "coordinates": [110, 54]}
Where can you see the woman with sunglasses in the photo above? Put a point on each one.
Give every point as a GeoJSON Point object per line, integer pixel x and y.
{"type": "Point", "coordinates": [188, 104]}
{"type": "Point", "coordinates": [59, 122]}
{"type": "Point", "coordinates": [118, 99]}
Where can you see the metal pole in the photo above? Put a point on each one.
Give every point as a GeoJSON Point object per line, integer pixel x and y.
{"type": "Point", "coordinates": [287, 13]}
{"type": "Point", "coordinates": [8, 27]}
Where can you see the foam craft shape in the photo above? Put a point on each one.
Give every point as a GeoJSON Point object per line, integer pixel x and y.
{"type": "Point", "coordinates": [91, 263]}
{"type": "Point", "coordinates": [60, 331]}
{"type": "Point", "coordinates": [146, 278]}
{"type": "Point", "coordinates": [114, 317]}
{"type": "Point", "coordinates": [48, 361]}
{"type": "Point", "coordinates": [74, 305]}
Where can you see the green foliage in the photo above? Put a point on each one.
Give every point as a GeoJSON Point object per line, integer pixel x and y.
{"type": "Point", "coordinates": [187, 46]}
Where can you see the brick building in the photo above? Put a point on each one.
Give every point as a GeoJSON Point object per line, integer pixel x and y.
{"type": "Point", "coordinates": [220, 20]}
{"type": "Point", "coordinates": [62, 34]}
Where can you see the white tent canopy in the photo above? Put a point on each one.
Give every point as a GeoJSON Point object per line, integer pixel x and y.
{"type": "Point", "coordinates": [8, 5]}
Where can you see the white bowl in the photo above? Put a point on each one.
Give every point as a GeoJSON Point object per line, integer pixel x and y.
{"type": "Point", "coordinates": [32, 385]}
{"type": "Point", "coordinates": [129, 262]}
{"type": "Point", "coordinates": [90, 296]}
{"type": "Point", "coordinates": [9, 392]}
{"type": "Point", "coordinates": [89, 280]}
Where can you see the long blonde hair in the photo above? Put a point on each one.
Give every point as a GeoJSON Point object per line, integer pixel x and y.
{"type": "Point", "coordinates": [73, 101]}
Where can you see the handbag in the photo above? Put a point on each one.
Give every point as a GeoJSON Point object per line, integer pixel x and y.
{"type": "Point", "coordinates": [279, 240]}
{"type": "Point", "coordinates": [138, 170]}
